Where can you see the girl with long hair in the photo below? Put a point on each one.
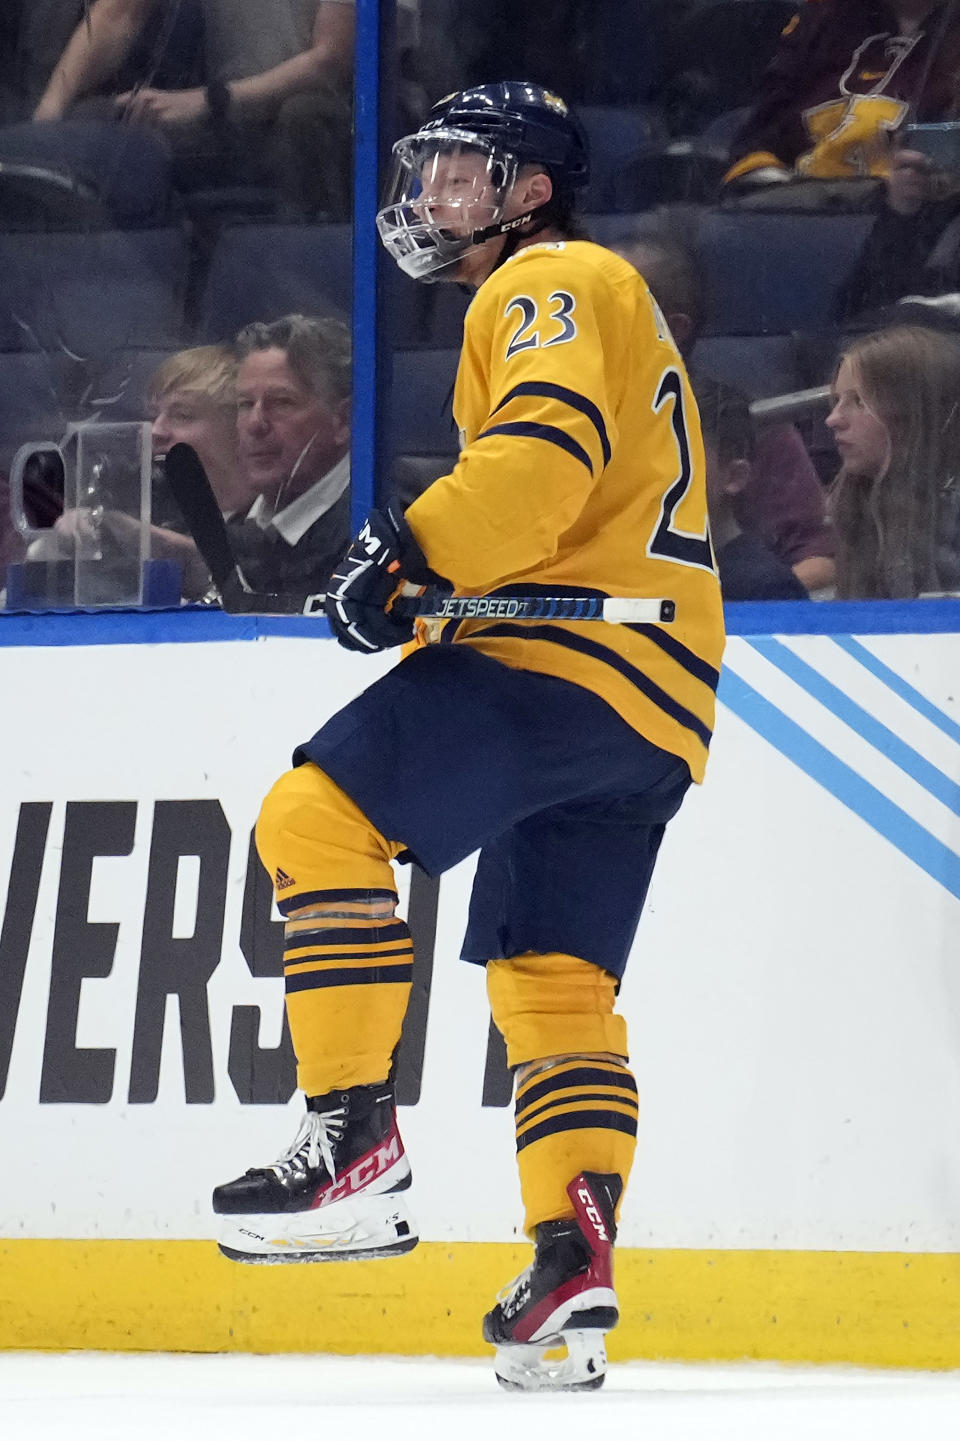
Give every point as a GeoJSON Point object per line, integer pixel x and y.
{"type": "Point", "coordinates": [896, 500]}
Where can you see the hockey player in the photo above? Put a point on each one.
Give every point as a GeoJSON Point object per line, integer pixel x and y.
{"type": "Point", "coordinates": [560, 751]}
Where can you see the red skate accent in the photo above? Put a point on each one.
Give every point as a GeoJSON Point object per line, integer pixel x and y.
{"type": "Point", "coordinates": [527, 1329]}
{"type": "Point", "coordinates": [364, 1170]}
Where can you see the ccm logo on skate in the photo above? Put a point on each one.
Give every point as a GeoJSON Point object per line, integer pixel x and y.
{"type": "Point", "coordinates": [362, 1172]}
{"type": "Point", "coordinates": [593, 1214]}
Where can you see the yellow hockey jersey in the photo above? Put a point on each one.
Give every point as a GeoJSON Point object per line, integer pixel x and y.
{"type": "Point", "coordinates": [582, 468]}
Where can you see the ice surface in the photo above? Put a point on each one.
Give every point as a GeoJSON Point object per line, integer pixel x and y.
{"type": "Point", "coordinates": [90, 1397]}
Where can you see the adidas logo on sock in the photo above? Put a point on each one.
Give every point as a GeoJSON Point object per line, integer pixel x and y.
{"type": "Point", "coordinates": [283, 881]}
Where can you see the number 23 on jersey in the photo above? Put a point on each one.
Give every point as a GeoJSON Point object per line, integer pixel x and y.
{"type": "Point", "coordinates": [535, 331]}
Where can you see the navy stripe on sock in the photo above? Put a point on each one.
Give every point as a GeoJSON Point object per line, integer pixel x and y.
{"type": "Point", "coordinates": [322, 937]}
{"type": "Point", "coordinates": [578, 1121]}
{"type": "Point", "coordinates": [350, 956]}
{"type": "Point", "coordinates": [527, 1115]}
{"type": "Point", "coordinates": [361, 976]}
{"type": "Point", "coordinates": [314, 898]}
{"type": "Point", "coordinates": [582, 1076]}
{"type": "Point", "coordinates": [348, 935]}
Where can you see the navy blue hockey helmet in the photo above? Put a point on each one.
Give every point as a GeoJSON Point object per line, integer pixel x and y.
{"type": "Point", "coordinates": [452, 177]}
{"type": "Point", "coordinates": [534, 124]}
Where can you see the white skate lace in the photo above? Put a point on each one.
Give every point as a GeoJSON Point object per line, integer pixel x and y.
{"type": "Point", "coordinates": [312, 1143]}
{"type": "Point", "coordinates": [515, 1295]}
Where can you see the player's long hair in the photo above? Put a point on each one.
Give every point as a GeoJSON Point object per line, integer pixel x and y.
{"type": "Point", "coordinates": [898, 532]}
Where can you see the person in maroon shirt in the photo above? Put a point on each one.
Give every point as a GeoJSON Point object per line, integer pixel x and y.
{"type": "Point", "coordinates": [846, 75]}
{"type": "Point", "coordinates": [749, 568]}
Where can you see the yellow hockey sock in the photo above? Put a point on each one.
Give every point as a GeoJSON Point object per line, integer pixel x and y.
{"type": "Point", "coordinates": [549, 1004]}
{"type": "Point", "coordinates": [578, 1110]}
{"type": "Point", "coordinates": [348, 959]}
{"type": "Point", "coordinates": [577, 1115]}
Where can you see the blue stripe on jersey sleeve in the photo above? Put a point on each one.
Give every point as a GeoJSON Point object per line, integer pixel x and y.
{"type": "Point", "coordinates": [542, 432]}
{"type": "Point", "coordinates": [569, 397]}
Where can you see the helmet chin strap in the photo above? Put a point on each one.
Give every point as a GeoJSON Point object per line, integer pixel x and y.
{"type": "Point", "coordinates": [511, 226]}
{"type": "Point", "coordinates": [513, 231]}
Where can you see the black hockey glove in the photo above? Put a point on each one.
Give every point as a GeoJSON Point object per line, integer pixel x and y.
{"type": "Point", "coordinates": [367, 580]}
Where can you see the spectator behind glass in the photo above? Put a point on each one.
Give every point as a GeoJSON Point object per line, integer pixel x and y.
{"type": "Point", "coordinates": [782, 502]}
{"type": "Point", "coordinates": [914, 245]}
{"type": "Point", "coordinates": [166, 52]}
{"type": "Point", "coordinates": [293, 430]}
{"type": "Point", "coordinates": [276, 107]}
{"type": "Point", "coordinates": [846, 74]}
{"type": "Point", "coordinates": [749, 570]}
{"type": "Point", "coordinates": [192, 399]}
{"type": "Point", "coordinates": [896, 500]}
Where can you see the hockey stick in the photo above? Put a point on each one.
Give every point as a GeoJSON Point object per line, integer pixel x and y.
{"type": "Point", "coordinates": [191, 489]}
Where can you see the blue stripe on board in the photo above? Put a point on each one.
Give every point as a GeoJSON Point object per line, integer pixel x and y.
{"type": "Point", "coordinates": [924, 772]}
{"type": "Point", "coordinates": [842, 617]}
{"type": "Point", "coordinates": [183, 626]}
{"type": "Point", "coordinates": [899, 686]}
{"type": "Point", "coordinates": [850, 789]}
{"type": "Point", "coordinates": [124, 627]}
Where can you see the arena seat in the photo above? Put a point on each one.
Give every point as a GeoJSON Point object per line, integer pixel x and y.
{"type": "Point", "coordinates": [420, 419]}
{"type": "Point", "coordinates": [773, 273]}
{"type": "Point", "coordinates": [40, 393]}
{"type": "Point", "coordinates": [764, 273]}
{"type": "Point", "coordinates": [618, 135]}
{"type": "Point", "coordinates": [758, 365]}
{"type": "Point", "coordinates": [30, 407]}
{"type": "Point", "coordinates": [260, 272]}
{"type": "Point", "coordinates": [408, 476]}
{"type": "Point", "coordinates": [122, 172]}
{"type": "Point", "coordinates": [94, 293]}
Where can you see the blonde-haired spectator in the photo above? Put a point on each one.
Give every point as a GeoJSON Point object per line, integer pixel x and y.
{"type": "Point", "coordinates": [192, 400]}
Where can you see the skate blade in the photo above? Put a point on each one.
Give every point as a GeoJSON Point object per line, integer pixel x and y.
{"type": "Point", "coordinates": [294, 1258]}
{"type": "Point", "coordinates": [572, 1361]}
{"type": "Point", "coordinates": [365, 1228]}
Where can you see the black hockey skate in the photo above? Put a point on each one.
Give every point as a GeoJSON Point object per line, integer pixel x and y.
{"type": "Point", "coordinates": [332, 1195]}
{"type": "Point", "coordinates": [549, 1325]}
